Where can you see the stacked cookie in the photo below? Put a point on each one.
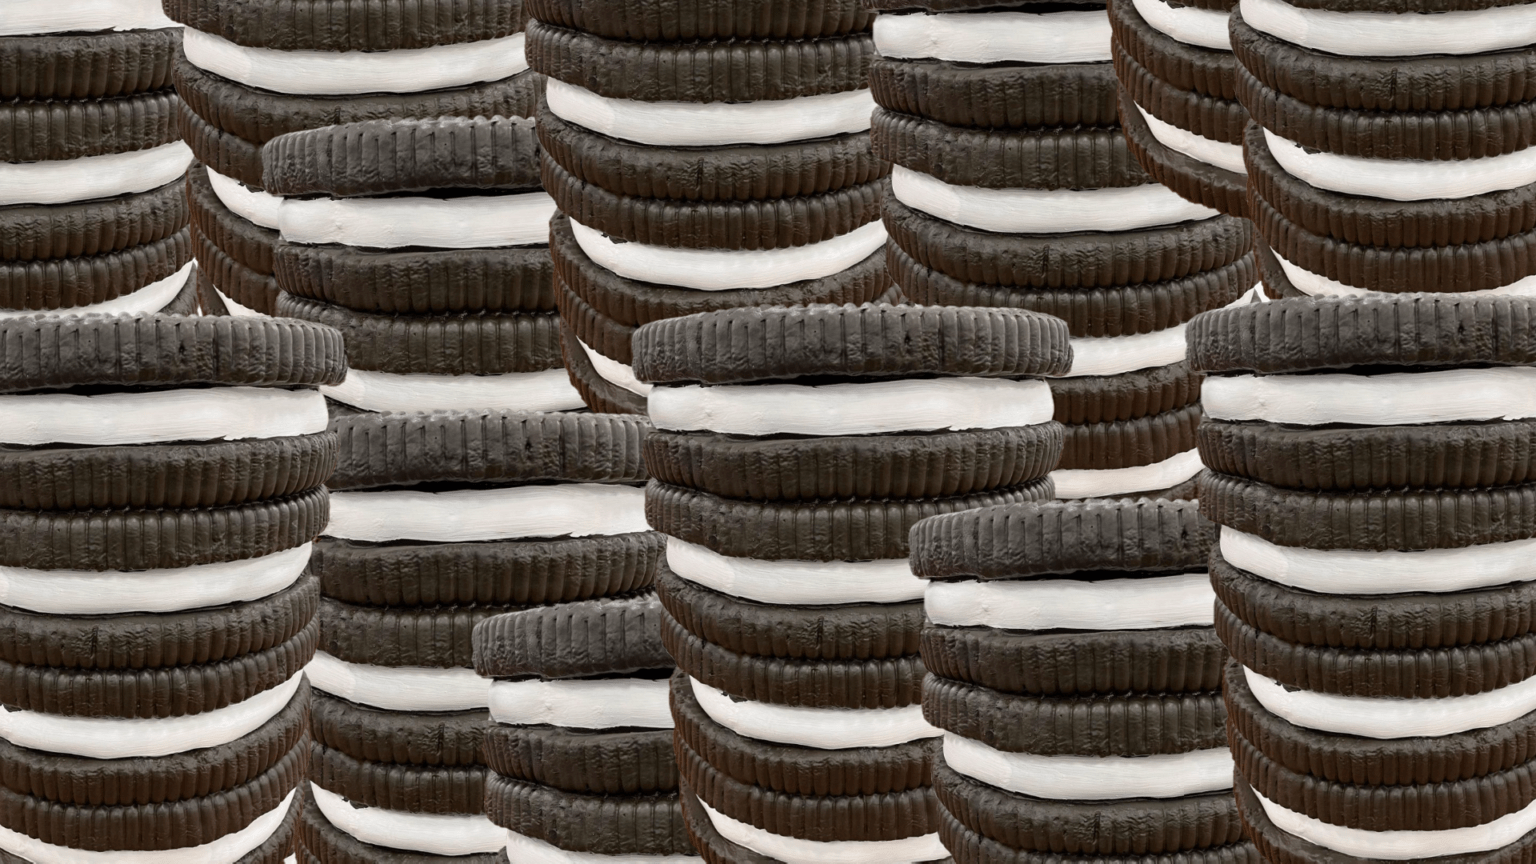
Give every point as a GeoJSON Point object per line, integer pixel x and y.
{"type": "Point", "coordinates": [704, 155]}
{"type": "Point", "coordinates": [1178, 97]}
{"type": "Point", "coordinates": [424, 242]}
{"type": "Point", "coordinates": [160, 492]}
{"type": "Point", "coordinates": [93, 217]}
{"type": "Point", "coordinates": [252, 71]}
{"type": "Point", "coordinates": [1013, 186]}
{"type": "Point", "coordinates": [440, 521]}
{"type": "Point", "coordinates": [1371, 471]}
{"type": "Point", "coordinates": [581, 746]}
{"type": "Point", "coordinates": [794, 448]}
{"type": "Point", "coordinates": [1390, 149]}
{"type": "Point", "coordinates": [1075, 673]}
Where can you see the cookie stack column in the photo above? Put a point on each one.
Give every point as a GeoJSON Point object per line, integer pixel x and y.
{"type": "Point", "coordinates": [252, 71]}
{"type": "Point", "coordinates": [582, 742]}
{"type": "Point", "coordinates": [1371, 466]}
{"type": "Point", "coordinates": [1076, 675]}
{"type": "Point", "coordinates": [440, 521]}
{"type": "Point", "coordinates": [1013, 186]}
{"type": "Point", "coordinates": [160, 492]}
{"type": "Point", "coordinates": [794, 449]}
{"type": "Point", "coordinates": [92, 213]}
{"type": "Point", "coordinates": [1390, 150]}
{"type": "Point", "coordinates": [704, 155]}
{"type": "Point", "coordinates": [423, 242]}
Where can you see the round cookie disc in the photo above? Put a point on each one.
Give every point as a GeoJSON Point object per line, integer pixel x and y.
{"type": "Point", "coordinates": [369, 734]}
{"type": "Point", "coordinates": [437, 789]}
{"type": "Point", "coordinates": [605, 637]}
{"type": "Point", "coordinates": [375, 25]}
{"type": "Point", "coordinates": [1093, 399]}
{"type": "Point", "coordinates": [418, 281]}
{"type": "Point", "coordinates": [64, 129]}
{"type": "Point", "coordinates": [596, 762]}
{"type": "Point", "coordinates": [86, 228]}
{"type": "Point", "coordinates": [1003, 96]}
{"type": "Point", "coordinates": [601, 825]}
{"type": "Point", "coordinates": [685, 20]}
{"type": "Point", "coordinates": [64, 283]}
{"type": "Point", "coordinates": [87, 65]}
{"type": "Point", "coordinates": [970, 847]}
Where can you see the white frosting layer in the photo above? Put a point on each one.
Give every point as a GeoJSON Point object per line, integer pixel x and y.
{"type": "Point", "coordinates": [1360, 571]}
{"type": "Point", "coordinates": [729, 269]}
{"type": "Point", "coordinates": [315, 73]}
{"type": "Point", "coordinates": [114, 592]}
{"type": "Point", "coordinates": [1388, 399]}
{"type": "Point", "coordinates": [125, 737]}
{"type": "Point", "coordinates": [400, 688]}
{"type": "Point", "coordinates": [1404, 179]}
{"type": "Point", "coordinates": [1185, 600]}
{"type": "Point", "coordinates": [1317, 285]}
{"type": "Point", "coordinates": [466, 515]}
{"type": "Point", "coordinates": [151, 298]}
{"type": "Point", "coordinates": [793, 850]}
{"type": "Point", "coordinates": [614, 372]}
{"type": "Point", "coordinates": [235, 309]}
{"type": "Point", "coordinates": [1116, 355]}
{"type": "Point", "coordinates": [530, 850]}
{"type": "Point", "coordinates": [200, 414]}
{"type": "Point", "coordinates": [549, 390]}
{"type": "Point", "coordinates": [1100, 482]}
{"type": "Point", "coordinates": [1192, 25]}
{"type": "Point", "coordinates": [1198, 147]}
{"type": "Point", "coordinates": [899, 405]}
{"type": "Point", "coordinates": [252, 205]}
{"type": "Point", "coordinates": [1091, 778]}
{"type": "Point", "coordinates": [709, 124]}
{"type": "Point", "coordinates": [29, 17]}
{"type": "Point", "coordinates": [1381, 718]}
{"type": "Point", "coordinates": [1044, 211]}
{"type": "Point", "coordinates": [822, 728]}
{"type": "Point", "coordinates": [1403, 845]}
{"type": "Point", "coordinates": [811, 583]}
{"type": "Point", "coordinates": [471, 222]}
{"type": "Point", "coordinates": [1392, 34]}
{"type": "Point", "coordinates": [433, 833]}
{"type": "Point", "coordinates": [107, 176]}
{"type": "Point", "coordinates": [602, 703]}
{"type": "Point", "coordinates": [996, 37]}
{"type": "Point", "coordinates": [230, 847]}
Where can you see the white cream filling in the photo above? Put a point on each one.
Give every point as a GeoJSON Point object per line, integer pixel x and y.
{"type": "Point", "coordinates": [602, 703]}
{"type": "Point", "coordinates": [116, 592]}
{"type": "Point", "coordinates": [34, 17]}
{"type": "Point", "coordinates": [107, 176]}
{"type": "Point", "coordinates": [811, 583]}
{"type": "Point", "coordinates": [1091, 778]}
{"type": "Point", "coordinates": [794, 850]}
{"type": "Point", "coordinates": [730, 269]}
{"type": "Point", "coordinates": [193, 414]}
{"type": "Point", "coordinates": [1101, 482]}
{"type": "Point", "coordinates": [1403, 845]}
{"type": "Point", "coordinates": [128, 737]}
{"type": "Point", "coordinates": [149, 299]}
{"type": "Point", "coordinates": [1117, 355]}
{"type": "Point", "coordinates": [342, 73]}
{"type": "Point", "coordinates": [468, 515]}
{"type": "Point", "coordinates": [1191, 25]}
{"type": "Point", "coordinates": [1393, 34]}
{"type": "Point", "coordinates": [1185, 600]}
{"type": "Point", "coordinates": [1045, 211]}
{"type": "Point", "coordinates": [1387, 399]}
{"type": "Point", "coordinates": [399, 688]}
{"type": "Point", "coordinates": [899, 405]}
{"type": "Point", "coordinates": [1197, 147]}
{"type": "Point", "coordinates": [235, 309]}
{"type": "Point", "coordinates": [1361, 571]}
{"type": "Point", "coordinates": [253, 205]}
{"type": "Point", "coordinates": [230, 847]}
{"type": "Point", "coordinates": [821, 728]}
{"type": "Point", "coordinates": [549, 390]}
{"type": "Point", "coordinates": [1317, 285]}
{"type": "Point", "coordinates": [710, 124]}
{"type": "Point", "coordinates": [432, 833]}
{"type": "Point", "coordinates": [530, 850]}
{"type": "Point", "coordinates": [471, 222]}
{"type": "Point", "coordinates": [1404, 179]}
{"type": "Point", "coordinates": [996, 37]}
{"type": "Point", "coordinates": [614, 372]}
{"type": "Point", "coordinates": [1382, 718]}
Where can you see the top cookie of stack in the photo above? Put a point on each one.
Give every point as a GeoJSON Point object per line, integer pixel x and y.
{"type": "Point", "coordinates": [1391, 143]}
{"type": "Point", "coordinates": [253, 71]}
{"type": "Point", "coordinates": [92, 213]}
{"type": "Point", "coordinates": [706, 155]}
